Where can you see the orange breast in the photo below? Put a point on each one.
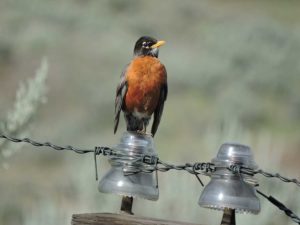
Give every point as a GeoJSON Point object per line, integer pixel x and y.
{"type": "Point", "coordinates": [144, 75]}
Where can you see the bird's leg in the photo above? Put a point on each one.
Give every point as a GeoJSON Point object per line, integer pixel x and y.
{"type": "Point", "coordinates": [144, 127]}
{"type": "Point", "coordinates": [142, 131]}
{"type": "Point", "coordinates": [145, 124]}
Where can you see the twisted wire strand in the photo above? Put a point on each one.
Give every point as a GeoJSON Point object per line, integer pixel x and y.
{"type": "Point", "coordinates": [46, 144]}
{"type": "Point", "coordinates": [277, 175]}
{"type": "Point", "coordinates": [252, 172]}
{"type": "Point", "coordinates": [155, 164]}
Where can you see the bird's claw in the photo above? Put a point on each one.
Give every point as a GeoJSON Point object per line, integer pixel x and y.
{"type": "Point", "coordinates": [143, 132]}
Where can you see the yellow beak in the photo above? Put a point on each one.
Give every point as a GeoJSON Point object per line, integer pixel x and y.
{"type": "Point", "coordinates": [158, 44]}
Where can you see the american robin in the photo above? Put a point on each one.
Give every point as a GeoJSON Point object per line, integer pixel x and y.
{"type": "Point", "coordinates": [143, 88]}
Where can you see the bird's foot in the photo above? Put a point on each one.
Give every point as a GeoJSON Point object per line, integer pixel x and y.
{"type": "Point", "coordinates": [143, 132]}
{"type": "Point", "coordinates": [150, 134]}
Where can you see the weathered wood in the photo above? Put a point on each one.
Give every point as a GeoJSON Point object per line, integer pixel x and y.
{"type": "Point", "coordinates": [119, 219]}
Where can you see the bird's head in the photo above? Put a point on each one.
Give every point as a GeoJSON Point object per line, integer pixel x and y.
{"type": "Point", "coordinates": [147, 46]}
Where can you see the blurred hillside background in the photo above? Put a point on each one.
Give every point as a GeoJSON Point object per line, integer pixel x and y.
{"type": "Point", "coordinates": [233, 72]}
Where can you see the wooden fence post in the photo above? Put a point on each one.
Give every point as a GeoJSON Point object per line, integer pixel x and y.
{"type": "Point", "coordinates": [119, 219]}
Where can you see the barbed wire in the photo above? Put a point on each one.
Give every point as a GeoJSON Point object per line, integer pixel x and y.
{"type": "Point", "coordinates": [154, 164]}
{"type": "Point", "coordinates": [193, 168]}
{"type": "Point", "coordinates": [159, 165]}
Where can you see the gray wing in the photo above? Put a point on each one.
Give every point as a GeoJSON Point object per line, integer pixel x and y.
{"type": "Point", "coordinates": [120, 94]}
{"type": "Point", "coordinates": [160, 107]}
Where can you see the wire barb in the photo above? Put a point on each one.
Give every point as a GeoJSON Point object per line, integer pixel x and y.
{"type": "Point", "coordinates": [281, 206]}
{"type": "Point", "coordinates": [98, 151]}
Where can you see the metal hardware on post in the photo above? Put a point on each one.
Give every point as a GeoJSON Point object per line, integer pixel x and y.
{"type": "Point", "coordinates": [126, 205]}
{"type": "Point", "coordinates": [228, 217]}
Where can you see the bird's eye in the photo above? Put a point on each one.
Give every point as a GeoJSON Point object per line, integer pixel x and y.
{"type": "Point", "coordinates": [146, 44]}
